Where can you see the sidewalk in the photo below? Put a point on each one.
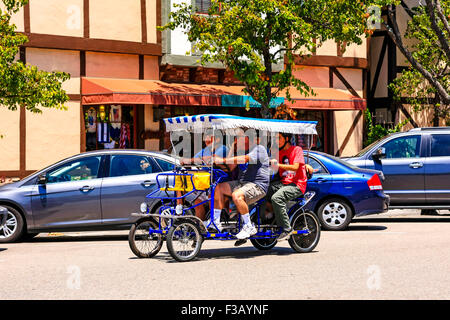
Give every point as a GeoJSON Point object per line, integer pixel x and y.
{"type": "Point", "coordinates": [406, 213]}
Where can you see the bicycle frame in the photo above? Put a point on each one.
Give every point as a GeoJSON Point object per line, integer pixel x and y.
{"type": "Point", "coordinates": [167, 209]}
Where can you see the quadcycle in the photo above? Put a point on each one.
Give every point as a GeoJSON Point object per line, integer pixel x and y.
{"type": "Point", "coordinates": [184, 232]}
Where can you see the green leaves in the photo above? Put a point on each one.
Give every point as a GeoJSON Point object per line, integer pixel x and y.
{"type": "Point", "coordinates": [376, 132]}
{"type": "Point", "coordinates": [432, 57]}
{"type": "Point", "coordinates": [22, 84]}
{"type": "Point", "coordinates": [249, 37]}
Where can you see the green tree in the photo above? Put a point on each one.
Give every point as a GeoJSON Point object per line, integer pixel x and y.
{"type": "Point", "coordinates": [250, 36]}
{"type": "Point", "coordinates": [374, 132]}
{"type": "Point", "coordinates": [23, 84]}
{"type": "Point", "coordinates": [427, 82]}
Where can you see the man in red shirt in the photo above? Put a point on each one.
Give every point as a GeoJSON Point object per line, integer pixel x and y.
{"type": "Point", "coordinates": [292, 183]}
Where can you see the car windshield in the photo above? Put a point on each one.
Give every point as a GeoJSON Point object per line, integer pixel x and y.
{"type": "Point", "coordinates": [366, 149]}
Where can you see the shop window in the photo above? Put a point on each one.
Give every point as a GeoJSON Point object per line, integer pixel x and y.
{"type": "Point", "coordinates": [109, 127]}
{"type": "Point", "coordinates": [315, 142]}
{"type": "Point", "coordinates": [202, 6]}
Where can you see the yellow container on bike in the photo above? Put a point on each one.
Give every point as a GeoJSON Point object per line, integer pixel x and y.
{"type": "Point", "coordinates": [183, 182]}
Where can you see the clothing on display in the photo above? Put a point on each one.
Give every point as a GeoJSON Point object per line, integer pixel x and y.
{"type": "Point", "coordinates": [115, 116]}
{"type": "Point", "coordinates": [114, 132]}
{"type": "Point", "coordinates": [125, 136]}
{"type": "Point", "coordinates": [91, 120]}
{"type": "Point", "coordinates": [91, 141]}
{"type": "Point", "coordinates": [103, 133]}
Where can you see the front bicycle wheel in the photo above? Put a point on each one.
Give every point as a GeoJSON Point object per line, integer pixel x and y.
{"type": "Point", "coordinates": [305, 242]}
{"type": "Point", "coordinates": [184, 241]}
{"type": "Point", "coordinates": [143, 243]}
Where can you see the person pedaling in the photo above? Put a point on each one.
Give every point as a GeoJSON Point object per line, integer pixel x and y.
{"type": "Point", "coordinates": [173, 221]}
{"type": "Point", "coordinates": [290, 182]}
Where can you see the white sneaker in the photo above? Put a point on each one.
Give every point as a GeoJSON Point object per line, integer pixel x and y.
{"type": "Point", "coordinates": [247, 231]}
{"type": "Point", "coordinates": [219, 225]}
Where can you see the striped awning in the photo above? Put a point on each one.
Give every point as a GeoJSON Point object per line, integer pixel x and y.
{"type": "Point", "coordinates": [203, 122]}
{"type": "Point", "coordinates": [132, 91]}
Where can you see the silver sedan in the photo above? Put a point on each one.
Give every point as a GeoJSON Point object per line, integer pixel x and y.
{"type": "Point", "coordinates": [91, 191]}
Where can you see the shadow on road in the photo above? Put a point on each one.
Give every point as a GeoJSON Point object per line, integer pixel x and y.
{"type": "Point", "coordinates": [3, 249]}
{"type": "Point", "coordinates": [230, 253]}
{"type": "Point", "coordinates": [364, 228]}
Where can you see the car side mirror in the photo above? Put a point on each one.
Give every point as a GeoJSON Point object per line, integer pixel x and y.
{"type": "Point", "coordinates": [379, 154]}
{"type": "Point", "coordinates": [42, 179]}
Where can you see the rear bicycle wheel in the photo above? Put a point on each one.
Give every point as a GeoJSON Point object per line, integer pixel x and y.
{"type": "Point", "coordinates": [264, 244]}
{"type": "Point", "coordinates": [143, 243]}
{"type": "Point", "coordinates": [184, 241]}
{"type": "Point", "coordinates": [305, 242]}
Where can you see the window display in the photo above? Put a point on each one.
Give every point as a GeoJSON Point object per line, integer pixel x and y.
{"type": "Point", "coordinates": [109, 127]}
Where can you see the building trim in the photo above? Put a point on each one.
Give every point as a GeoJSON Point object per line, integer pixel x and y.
{"type": "Point", "coordinates": [158, 21]}
{"type": "Point", "coordinates": [349, 133]}
{"type": "Point", "coordinates": [144, 21]}
{"type": "Point", "coordinates": [16, 173]}
{"type": "Point", "coordinates": [48, 41]}
{"type": "Point", "coordinates": [26, 17]}
{"type": "Point", "coordinates": [345, 82]}
{"type": "Point", "coordinates": [86, 24]}
{"type": "Point", "coordinates": [331, 61]}
{"type": "Point", "coordinates": [23, 139]}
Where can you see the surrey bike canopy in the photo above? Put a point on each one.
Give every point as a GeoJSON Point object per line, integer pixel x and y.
{"type": "Point", "coordinates": [203, 122]}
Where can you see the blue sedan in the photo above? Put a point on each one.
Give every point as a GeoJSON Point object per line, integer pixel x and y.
{"type": "Point", "coordinates": [343, 191]}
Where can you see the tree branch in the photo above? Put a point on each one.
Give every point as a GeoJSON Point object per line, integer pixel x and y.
{"type": "Point", "coordinates": [395, 35]}
{"type": "Point", "coordinates": [441, 15]}
{"type": "Point", "coordinates": [436, 29]}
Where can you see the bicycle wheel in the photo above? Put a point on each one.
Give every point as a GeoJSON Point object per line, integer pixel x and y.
{"type": "Point", "coordinates": [305, 242]}
{"type": "Point", "coordinates": [142, 243]}
{"type": "Point", "coordinates": [264, 244]}
{"type": "Point", "coordinates": [184, 240]}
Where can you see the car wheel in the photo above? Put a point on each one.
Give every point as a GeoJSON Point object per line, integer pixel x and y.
{"type": "Point", "coordinates": [335, 214]}
{"type": "Point", "coordinates": [13, 228]}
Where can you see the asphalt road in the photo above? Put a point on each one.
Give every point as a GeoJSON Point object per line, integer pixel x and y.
{"type": "Point", "coordinates": [390, 256]}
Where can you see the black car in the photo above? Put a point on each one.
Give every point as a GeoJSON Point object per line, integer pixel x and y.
{"type": "Point", "coordinates": [416, 166]}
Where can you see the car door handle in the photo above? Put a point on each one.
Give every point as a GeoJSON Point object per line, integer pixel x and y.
{"type": "Point", "coordinates": [86, 189]}
{"type": "Point", "coordinates": [147, 183]}
{"type": "Point", "coordinates": [416, 165]}
{"type": "Point", "coordinates": [320, 180]}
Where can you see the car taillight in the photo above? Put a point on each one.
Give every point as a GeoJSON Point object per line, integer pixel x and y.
{"type": "Point", "coordinates": [374, 183]}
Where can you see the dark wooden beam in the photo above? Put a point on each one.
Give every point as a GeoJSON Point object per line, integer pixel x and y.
{"type": "Point", "coordinates": [345, 82]}
{"type": "Point", "coordinates": [378, 69]}
{"type": "Point", "coordinates": [23, 139]}
{"type": "Point", "coordinates": [407, 114]}
{"type": "Point", "coordinates": [144, 21]}
{"type": "Point", "coordinates": [141, 67]}
{"type": "Point", "coordinates": [407, 9]}
{"type": "Point", "coordinates": [331, 61]}
{"type": "Point", "coordinates": [87, 44]}
{"type": "Point", "coordinates": [86, 24]}
{"type": "Point", "coordinates": [349, 133]}
{"type": "Point", "coordinates": [26, 17]}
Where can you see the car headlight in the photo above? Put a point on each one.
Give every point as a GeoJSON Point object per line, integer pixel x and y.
{"type": "Point", "coordinates": [144, 207]}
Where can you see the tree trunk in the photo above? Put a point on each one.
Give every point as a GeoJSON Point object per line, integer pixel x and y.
{"type": "Point", "coordinates": [265, 112]}
{"type": "Point", "coordinates": [436, 115]}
